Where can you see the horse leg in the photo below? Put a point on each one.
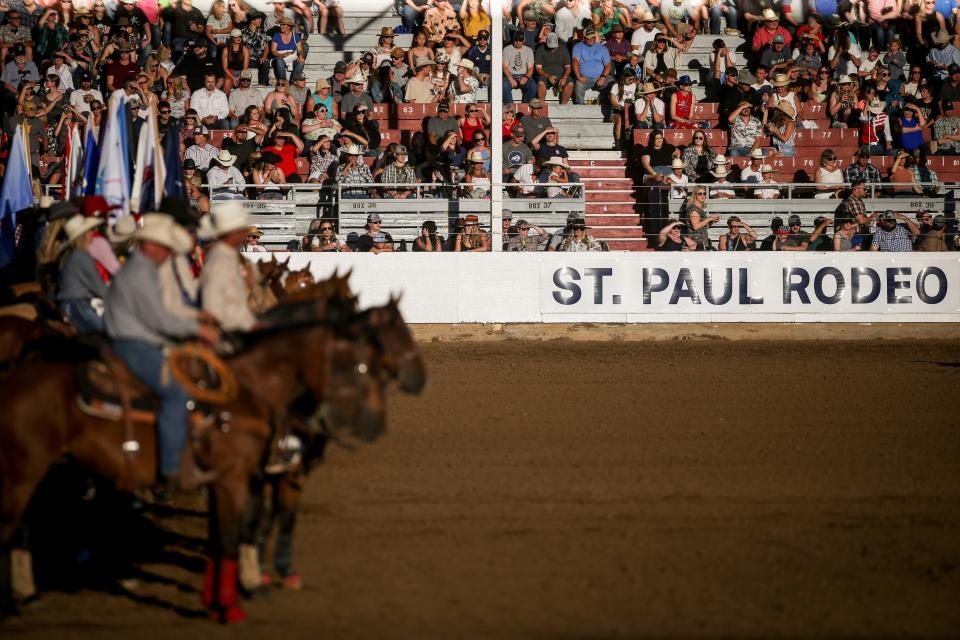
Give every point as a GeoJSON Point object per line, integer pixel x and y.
{"type": "Point", "coordinates": [231, 493]}
{"type": "Point", "coordinates": [16, 571]}
{"type": "Point", "coordinates": [250, 555]}
{"type": "Point", "coordinates": [287, 500]}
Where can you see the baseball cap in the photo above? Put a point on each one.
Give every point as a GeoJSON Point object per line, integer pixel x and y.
{"type": "Point", "coordinates": [794, 221]}
{"type": "Point", "coordinates": [246, 75]}
{"type": "Point", "coordinates": [400, 150]}
{"type": "Point", "coordinates": [553, 40]}
{"type": "Point", "coordinates": [483, 33]}
{"type": "Point", "coordinates": [443, 106]}
{"type": "Point", "coordinates": [236, 33]}
{"type": "Point", "coordinates": [507, 214]}
{"type": "Point", "coordinates": [589, 32]}
{"type": "Point", "coordinates": [298, 76]}
{"type": "Point", "coordinates": [953, 68]}
{"type": "Point", "coordinates": [374, 217]}
{"type": "Point", "coordinates": [939, 222]}
{"type": "Point", "coordinates": [888, 215]}
{"type": "Point", "coordinates": [778, 39]}
{"type": "Point", "coordinates": [518, 129]}
{"type": "Point", "coordinates": [340, 67]}
{"type": "Point", "coordinates": [536, 103]}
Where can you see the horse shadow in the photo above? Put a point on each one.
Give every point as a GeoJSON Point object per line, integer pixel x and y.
{"type": "Point", "coordinates": [112, 537]}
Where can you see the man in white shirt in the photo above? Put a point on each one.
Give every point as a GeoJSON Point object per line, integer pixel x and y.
{"type": "Point", "coordinates": [211, 104]}
{"type": "Point", "coordinates": [225, 180]}
{"type": "Point", "coordinates": [81, 98]}
{"type": "Point", "coordinates": [751, 172]}
{"type": "Point", "coordinates": [643, 37]}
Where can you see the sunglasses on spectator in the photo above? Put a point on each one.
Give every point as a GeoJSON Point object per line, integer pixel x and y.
{"type": "Point", "coordinates": [326, 228]}
{"type": "Point", "coordinates": [699, 138]}
{"type": "Point", "coordinates": [700, 193]}
{"type": "Point", "coordinates": [165, 112]}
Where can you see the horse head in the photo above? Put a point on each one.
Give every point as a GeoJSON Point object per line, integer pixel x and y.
{"type": "Point", "coordinates": [401, 358]}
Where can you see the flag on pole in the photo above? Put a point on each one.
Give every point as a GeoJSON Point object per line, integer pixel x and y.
{"type": "Point", "coordinates": [113, 172]}
{"type": "Point", "coordinates": [91, 159]}
{"type": "Point", "coordinates": [173, 182]}
{"type": "Point", "coordinates": [73, 159]}
{"type": "Point", "coordinates": [16, 194]}
{"type": "Point", "coordinates": [148, 178]}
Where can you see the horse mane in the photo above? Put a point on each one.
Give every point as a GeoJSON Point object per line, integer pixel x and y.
{"type": "Point", "coordinates": [292, 316]}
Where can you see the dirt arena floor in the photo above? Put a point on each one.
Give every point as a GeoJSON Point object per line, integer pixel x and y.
{"type": "Point", "coordinates": [576, 489]}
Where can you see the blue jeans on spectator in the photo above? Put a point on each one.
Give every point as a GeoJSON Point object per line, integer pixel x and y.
{"type": "Point", "coordinates": [580, 88]}
{"type": "Point", "coordinates": [263, 71]}
{"type": "Point", "coordinates": [280, 69]}
{"type": "Point", "coordinates": [716, 12]}
{"type": "Point", "coordinates": [147, 362]}
{"type": "Point", "coordinates": [176, 48]}
{"type": "Point", "coordinates": [880, 35]}
{"type": "Point", "coordinates": [529, 90]}
{"type": "Point", "coordinates": [411, 18]}
{"type": "Point", "coordinates": [739, 152]}
{"type": "Point", "coordinates": [82, 316]}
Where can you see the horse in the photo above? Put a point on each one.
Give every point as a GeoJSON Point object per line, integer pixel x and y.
{"type": "Point", "coordinates": [401, 362]}
{"type": "Point", "coordinates": [29, 316]}
{"type": "Point", "coordinates": [273, 366]}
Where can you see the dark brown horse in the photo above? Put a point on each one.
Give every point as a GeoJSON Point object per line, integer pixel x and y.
{"type": "Point", "coordinates": [42, 422]}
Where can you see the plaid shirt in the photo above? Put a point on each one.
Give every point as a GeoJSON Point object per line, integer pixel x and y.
{"type": "Point", "coordinates": [392, 174]}
{"type": "Point", "coordinates": [868, 174]}
{"type": "Point", "coordinates": [359, 174]}
{"type": "Point", "coordinates": [896, 240]}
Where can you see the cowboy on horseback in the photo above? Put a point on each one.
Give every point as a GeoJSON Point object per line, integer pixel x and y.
{"type": "Point", "coordinates": [140, 326]}
{"type": "Point", "coordinates": [227, 278]}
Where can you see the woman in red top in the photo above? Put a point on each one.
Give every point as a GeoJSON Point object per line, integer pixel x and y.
{"type": "Point", "coordinates": [681, 106]}
{"type": "Point", "coordinates": [475, 120]}
{"type": "Point", "coordinates": [509, 121]}
{"type": "Point", "coordinates": [288, 146]}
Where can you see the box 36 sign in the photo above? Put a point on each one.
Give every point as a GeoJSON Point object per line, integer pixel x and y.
{"type": "Point", "coordinates": [742, 283]}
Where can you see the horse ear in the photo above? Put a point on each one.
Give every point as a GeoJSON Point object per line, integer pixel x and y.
{"type": "Point", "coordinates": [347, 274]}
{"type": "Point", "coordinates": [395, 300]}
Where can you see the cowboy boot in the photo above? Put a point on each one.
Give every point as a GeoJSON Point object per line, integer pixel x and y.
{"type": "Point", "coordinates": [21, 574]}
{"type": "Point", "coordinates": [227, 602]}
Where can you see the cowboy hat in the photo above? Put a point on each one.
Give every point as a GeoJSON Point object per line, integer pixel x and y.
{"type": "Point", "coordinates": [475, 156]}
{"type": "Point", "coordinates": [647, 17]}
{"type": "Point", "coordinates": [78, 225]}
{"type": "Point", "coordinates": [226, 158]}
{"type": "Point", "coordinates": [223, 219]}
{"type": "Point", "coordinates": [757, 154]}
{"type": "Point", "coordinates": [466, 64]}
{"type": "Point", "coordinates": [159, 228]}
{"type": "Point", "coordinates": [557, 161]}
{"type": "Point", "coordinates": [122, 230]}
{"type": "Point", "coordinates": [386, 32]}
{"type": "Point", "coordinates": [781, 80]}
{"type": "Point", "coordinates": [876, 106]}
{"type": "Point", "coordinates": [719, 160]}
{"type": "Point", "coordinates": [423, 62]}
{"type": "Point", "coordinates": [786, 107]}
{"type": "Point", "coordinates": [845, 79]}
{"type": "Point", "coordinates": [648, 87]}
{"type": "Point", "coordinates": [940, 37]}
{"type": "Point", "coordinates": [767, 169]}
{"type": "Point", "coordinates": [677, 163]}
{"type": "Point", "coordinates": [719, 172]}
{"type": "Point", "coordinates": [768, 15]}
{"type": "Point", "coordinates": [355, 79]}
{"type": "Point", "coordinates": [254, 231]}
{"type": "Point", "coordinates": [351, 150]}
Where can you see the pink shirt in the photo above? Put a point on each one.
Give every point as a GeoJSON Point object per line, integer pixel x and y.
{"type": "Point", "coordinates": [103, 253]}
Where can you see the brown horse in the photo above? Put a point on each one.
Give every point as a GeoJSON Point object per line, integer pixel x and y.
{"type": "Point", "coordinates": [273, 366]}
{"type": "Point", "coordinates": [276, 495]}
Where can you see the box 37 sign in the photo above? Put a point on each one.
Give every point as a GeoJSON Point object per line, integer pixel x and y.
{"type": "Point", "coordinates": [778, 283]}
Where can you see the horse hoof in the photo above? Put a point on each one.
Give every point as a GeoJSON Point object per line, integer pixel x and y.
{"type": "Point", "coordinates": [293, 582]}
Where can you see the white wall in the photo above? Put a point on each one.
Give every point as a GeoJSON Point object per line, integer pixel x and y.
{"type": "Point", "coordinates": [513, 287]}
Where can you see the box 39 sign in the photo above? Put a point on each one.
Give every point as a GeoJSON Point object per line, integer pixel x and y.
{"type": "Point", "coordinates": [751, 283]}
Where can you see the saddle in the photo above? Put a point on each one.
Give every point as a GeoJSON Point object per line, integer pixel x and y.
{"type": "Point", "coordinates": [105, 386]}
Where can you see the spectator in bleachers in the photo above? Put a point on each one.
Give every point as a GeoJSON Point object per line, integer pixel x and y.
{"type": "Point", "coordinates": [252, 119]}
{"type": "Point", "coordinates": [739, 236]}
{"type": "Point", "coordinates": [439, 20]}
{"type": "Point", "coordinates": [678, 180]}
{"type": "Point", "coordinates": [844, 55]}
{"type": "Point", "coordinates": [829, 177]}
{"type": "Point", "coordinates": [720, 188]}
{"type": "Point", "coordinates": [176, 94]}
{"type": "Point", "coordinates": [547, 145]}
{"type": "Point", "coordinates": [419, 50]}
{"type": "Point", "coordinates": [927, 106]}
{"type": "Point", "coordinates": [326, 8]}
{"type": "Point", "coordinates": [398, 172]}
{"type": "Point", "coordinates": [942, 55]}
{"type": "Point", "coordinates": [323, 162]}
{"type": "Point", "coordinates": [875, 128]}
{"type": "Point", "coordinates": [934, 239]}
{"type": "Point", "coordinates": [911, 88]}
{"type": "Point", "coordinates": [591, 65]}
{"type": "Point", "coordinates": [619, 49]}
{"type": "Point", "coordinates": [419, 88]}
{"type": "Point", "coordinates": [518, 63]}
{"type": "Point", "coordinates": [819, 87]}
{"type": "Point", "coordinates": [14, 32]}
{"type": "Point", "coordinates": [357, 96]}
{"type": "Point", "coordinates": [579, 240]}
{"type": "Point", "coordinates": [861, 169]}
{"type": "Point", "coordinates": [660, 58]}
{"type": "Point", "coordinates": [764, 36]}
{"type": "Point", "coordinates": [201, 152]}
{"type": "Point", "coordinates": [911, 124]}
{"type": "Point", "coordinates": [353, 171]}
{"type": "Point", "coordinates": [796, 239]}
{"type": "Point", "coordinates": [781, 126]}
{"type": "Point", "coordinates": [561, 183]}
{"type": "Point", "coordinates": [649, 110]}
{"type": "Point", "coordinates": [530, 29]}
{"type": "Point", "coordinates": [322, 94]}
{"type": "Point", "coordinates": [607, 16]}
{"type": "Point", "coordinates": [218, 27]}
{"type": "Point", "coordinates": [288, 146]}
{"type": "Point", "coordinates": [891, 236]}
{"type": "Point", "coordinates": [623, 95]}
{"type": "Point", "coordinates": [225, 180]}
{"type": "Point", "coordinates": [946, 132]}
{"type": "Point", "coordinates": [241, 98]}
{"type": "Point", "coordinates": [677, 14]}
{"type": "Point", "coordinates": [745, 131]}
{"type": "Point", "coordinates": [819, 240]}
{"type": "Point", "coordinates": [782, 92]}
{"type": "Point", "coordinates": [286, 50]}
{"type": "Point", "coordinates": [776, 56]}
{"type": "Point", "coordinates": [950, 90]}
{"type": "Point", "coordinates": [553, 66]}
{"type": "Point", "coordinates": [195, 194]}
{"type": "Point", "coordinates": [902, 176]}
{"type": "Point", "coordinates": [280, 105]}
{"type": "Point", "coordinates": [770, 190]}
{"type": "Point", "coordinates": [362, 130]}
{"type": "Point", "coordinates": [211, 104]}
{"type": "Point", "coordinates": [466, 84]}
{"type": "Point", "coordinates": [845, 236]}
{"type": "Point", "coordinates": [428, 240]}
{"type": "Point", "coordinates": [257, 42]}
{"type": "Point", "coordinates": [751, 172]}
{"type": "Point", "coordinates": [854, 209]}
{"type": "Point", "coordinates": [469, 237]}
{"type": "Point", "coordinates": [681, 106]}
{"type": "Point", "coordinates": [474, 18]}
{"type": "Point", "coordinates": [571, 17]}
{"type": "Point", "coordinates": [696, 219]}
{"type": "Point", "coordinates": [473, 121]}
{"type": "Point", "coordinates": [195, 65]}
{"type": "Point", "coordinates": [479, 55]}
{"type": "Point", "coordinates": [265, 173]}
{"type": "Point", "coordinates": [516, 151]}
{"type": "Point", "coordinates": [643, 37]}
{"type": "Point", "coordinates": [698, 158]}
{"type": "Point", "coordinates": [670, 238]}
{"type": "Point", "coordinates": [440, 77]}
{"type": "Point", "coordinates": [298, 90]}
{"type": "Point", "coordinates": [523, 240]}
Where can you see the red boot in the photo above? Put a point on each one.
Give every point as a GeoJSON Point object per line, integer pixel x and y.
{"type": "Point", "coordinates": [209, 584]}
{"type": "Point", "coordinates": [227, 601]}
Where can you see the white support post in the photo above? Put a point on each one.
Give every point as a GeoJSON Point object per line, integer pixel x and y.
{"type": "Point", "coordinates": [495, 92]}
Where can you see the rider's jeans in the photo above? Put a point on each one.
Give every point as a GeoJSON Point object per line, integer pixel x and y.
{"type": "Point", "coordinates": [148, 363]}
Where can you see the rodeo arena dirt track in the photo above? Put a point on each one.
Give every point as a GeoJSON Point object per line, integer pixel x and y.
{"type": "Point", "coordinates": [592, 489]}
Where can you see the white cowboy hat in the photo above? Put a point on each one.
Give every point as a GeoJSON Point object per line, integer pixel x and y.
{"type": "Point", "coordinates": [351, 150]}
{"type": "Point", "coordinates": [78, 224]}
{"type": "Point", "coordinates": [767, 169]}
{"type": "Point", "coordinates": [475, 156]}
{"type": "Point", "coordinates": [223, 219]}
{"type": "Point", "coordinates": [719, 172]}
{"type": "Point", "coordinates": [781, 80]}
{"type": "Point", "coordinates": [647, 17]}
{"type": "Point", "coordinates": [226, 158]}
{"type": "Point", "coordinates": [757, 154]}
{"type": "Point", "coordinates": [845, 79]}
{"type": "Point", "coordinates": [122, 230]}
{"type": "Point", "coordinates": [876, 107]}
{"type": "Point", "coordinates": [719, 160]}
{"type": "Point", "coordinates": [159, 228]}
{"type": "Point", "coordinates": [676, 164]}
{"type": "Point", "coordinates": [557, 161]}
{"type": "Point", "coordinates": [768, 15]}
{"type": "Point", "coordinates": [466, 64]}
{"type": "Point", "coordinates": [940, 36]}
{"type": "Point", "coordinates": [355, 79]}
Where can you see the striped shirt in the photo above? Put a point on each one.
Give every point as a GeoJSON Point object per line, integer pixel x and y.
{"type": "Point", "coordinates": [202, 156]}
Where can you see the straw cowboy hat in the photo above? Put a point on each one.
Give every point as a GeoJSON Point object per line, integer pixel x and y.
{"type": "Point", "coordinates": [423, 62]}
{"type": "Point", "coordinates": [226, 158]}
{"type": "Point", "coordinates": [647, 17]}
{"type": "Point", "coordinates": [223, 219]}
{"type": "Point", "coordinates": [254, 231]}
{"type": "Point", "coordinates": [757, 154]}
{"type": "Point", "coordinates": [475, 156]}
{"type": "Point", "coordinates": [781, 80]}
{"type": "Point", "coordinates": [159, 228]}
{"type": "Point", "coordinates": [351, 150]}
{"type": "Point", "coordinates": [766, 169]}
{"type": "Point", "coordinates": [940, 37]}
{"type": "Point", "coordinates": [355, 79]}
{"type": "Point", "coordinates": [720, 160]}
{"type": "Point", "coordinates": [876, 107]}
{"type": "Point", "coordinates": [557, 161]}
{"type": "Point", "coordinates": [78, 224]}
{"type": "Point", "coordinates": [769, 15]}
{"type": "Point", "coordinates": [386, 32]}
{"type": "Point", "coordinates": [122, 230]}
{"type": "Point", "coordinates": [648, 87]}
{"type": "Point", "coordinates": [720, 171]}
{"type": "Point", "coordinates": [676, 164]}
{"type": "Point", "coordinates": [466, 64]}
{"type": "Point", "coordinates": [786, 107]}
{"type": "Point", "coordinates": [845, 79]}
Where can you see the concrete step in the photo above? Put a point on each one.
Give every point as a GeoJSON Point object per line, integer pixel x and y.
{"type": "Point", "coordinates": [640, 244]}
{"type": "Point", "coordinates": [613, 232]}
{"type": "Point", "coordinates": [617, 197]}
{"type": "Point", "coordinates": [603, 172]}
{"type": "Point", "coordinates": [610, 208]}
{"type": "Point", "coordinates": [614, 221]}
{"type": "Point", "coordinates": [596, 156]}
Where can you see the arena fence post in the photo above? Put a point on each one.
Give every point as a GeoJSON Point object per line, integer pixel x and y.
{"type": "Point", "coordinates": [496, 125]}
